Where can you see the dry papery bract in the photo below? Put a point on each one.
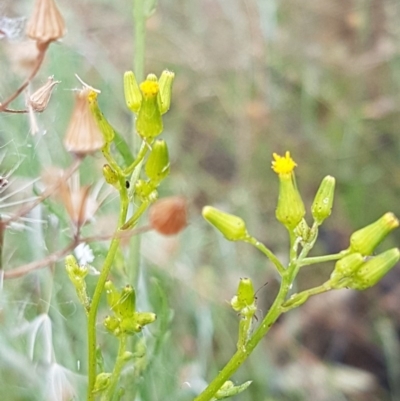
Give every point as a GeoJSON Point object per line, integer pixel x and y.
{"type": "Point", "coordinates": [46, 23]}
{"type": "Point", "coordinates": [83, 134]}
{"type": "Point", "coordinates": [80, 202]}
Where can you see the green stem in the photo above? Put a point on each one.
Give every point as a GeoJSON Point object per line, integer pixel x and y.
{"type": "Point", "coordinates": [270, 255]}
{"type": "Point", "coordinates": [321, 259]}
{"type": "Point", "coordinates": [242, 354]}
{"type": "Point", "coordinates": [119, 364]}
{"type": "Point", "coordinates": [140, 37]}
{"type": "Point", "coordinates": [142, 153]}
{"type": "Point", "coordinates": [92, 342]}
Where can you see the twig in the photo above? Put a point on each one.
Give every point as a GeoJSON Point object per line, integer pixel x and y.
{"type": "Point", "coordinates": [55, 256]}
{"type": "Point", "coordinates": [40, 58]}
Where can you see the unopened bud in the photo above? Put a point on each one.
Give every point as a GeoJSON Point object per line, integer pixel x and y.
{"type": "Point", "coordinates": [245, 295]}
{"type": "Point", "coordinates": [168, 216]}
{"type": "Point", "coordinates": [144, 318]}
{"type": "Point", "coordinates": [233, 228]}
{"type": "Point", "coordinates": [133, 96]}
{"type": "Point", "coordinates": [112, 325]}
{"type": "Point", "coordinates": [83, 135]}
{"type": "Point", "coordinates": [290, 209]}
{"type": "Point", "coordinates": [157, 165]}
{"type": "Point", "coordinates": [40, 99]}
{"type": "Point", "coordinates": [323, 201]}
{"type": "Point", "coordinates": [165, 83]}
{"type": "Point", "coordinates": [345, 268]}
{"type": "Point", "coordinates": [46, 23]}
{"type": "Point", "coordinates": [103, 380]}
{"type": "Point", "coordinates": [111, 176]}
{"type": "Point", "coordinates": [374, 269]}
{"type": "Point", "coordinates": [368, 238]}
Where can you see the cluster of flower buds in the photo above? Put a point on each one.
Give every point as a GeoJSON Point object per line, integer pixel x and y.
{"type": "Point", "coordinates": [244, 302]}
{"type": "Point", "coordinates": [125, 319]}
{"type": "Point", "coordinates": [359, 270]}
{"type": "Point", "coordinates": [156, 168]}
{"type": "Point", "coordinates": [77, 276]}
{"type": "Point", "coordinates": [149, 101]}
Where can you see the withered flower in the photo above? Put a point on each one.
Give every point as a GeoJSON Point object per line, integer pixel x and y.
{"type": "Point", "coordinates": [40, 99]}
{"type": "Point", "coordinates": [168, 216]}
{"type": "Point", "coordinates": [46, 23]}
{"type": "Point", "coordinates": [83, 134]}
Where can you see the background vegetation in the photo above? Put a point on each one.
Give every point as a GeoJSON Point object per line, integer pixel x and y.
{"type": "Point", "coordinates": [320, 79]}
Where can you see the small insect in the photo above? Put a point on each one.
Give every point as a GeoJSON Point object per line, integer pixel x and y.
{"type": "Point", "coordinates": [127, 184]}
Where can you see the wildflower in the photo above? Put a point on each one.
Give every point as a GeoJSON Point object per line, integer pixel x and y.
{"type": "Point", "coordinates": [46, 23]}
{"type": "Point", "coordinates": [168, 216]}
{"type": "Point", "coordinates": [157, 165]}
{"type": "Point", "coordinates": [83, 134]}
{"type": "Point", "coordinates": [290, 209]}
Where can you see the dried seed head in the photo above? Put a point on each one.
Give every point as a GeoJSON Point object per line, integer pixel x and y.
{"type": "Point", "coordinates": [46, 23]}
{"type": "Point", "coordinates": [168, 216]}
{"type": "Point", "coordinates": [83, 134]}
{"type": "Point", "coordinates": [40, 99]}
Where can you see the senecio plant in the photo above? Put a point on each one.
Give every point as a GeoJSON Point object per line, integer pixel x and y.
{"type": "Point", "coordinates": [136, 180]}
{"type": "Point", "coordinates": [149, 101]}
{"type": "Point", "coordinates": [356, 267]}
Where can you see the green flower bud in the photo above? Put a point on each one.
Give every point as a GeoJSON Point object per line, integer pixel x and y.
{"type": "Point", "coordinates": [127, 302]}
{"type": "Point", "coordinates": [245, 296]}
{"type": "Point", "coordinates": [322, 205]}
{"type": "Point", "coordinates": [290, 209]}
{"type": "Point", "coordinates": [143, 189]}
{"type": "Point", "coordinates": [113, 297]}
{"type": "Point", "coordinates": [144, 318]}
{"type": "Point", "coordinates": [374, 269]}
{"type": "Point", "coordinates": [105, 128]}
{"type": "Point", "coordinates": [133, 96]}
{"type": "Point", "coordinates": [102, 382]}
{"type": "Point", "coordinates": [77, 276]}
{"type": "Point", "coordinates": [368, 238]}
{"type": "Point", "coordinates": [112, 324]}
{"type": "Point", "coordinates": [233, 228]}
{"type": "Point", "coordinates": [345, 268]}
{"type": "Point", "coordinates": [229, 390]}
{"type": "Point", "coordinates": [111, 176]}
{"type": "Point", "coordinates": [165, 82]}
{"type": "Point", "coordinates": [157, 165]}
{"type": "Point", "coordinates": [149, 123]}
{"type": "Point", "coordinates": [130, 326]}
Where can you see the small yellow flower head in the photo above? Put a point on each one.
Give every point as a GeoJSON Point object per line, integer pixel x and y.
{"type": "Point", "coordinates": [290, 209]}
{"type": "Point", "coordinates": [149, 89]}
{"type": "Point", "coordinates": [283, 165]}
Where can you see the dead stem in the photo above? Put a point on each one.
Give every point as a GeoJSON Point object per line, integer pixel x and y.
{"type": "Point", "coordinates": [40, 58]}
{"type": "Point", "coordinates": [57, 255]}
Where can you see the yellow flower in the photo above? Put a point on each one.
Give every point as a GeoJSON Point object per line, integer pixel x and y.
{"type": "Point", "coordinates": [283, 165]}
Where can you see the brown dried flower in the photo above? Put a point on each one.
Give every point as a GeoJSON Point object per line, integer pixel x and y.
{"type": "Point", "coordinates": [83, 134]}
{"type": "Point", "coordinates": [40, 99]}
{"type": "Point", "coordinates": [168, 216]}
{"type": "Point", "coordinates": [46, 23]}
